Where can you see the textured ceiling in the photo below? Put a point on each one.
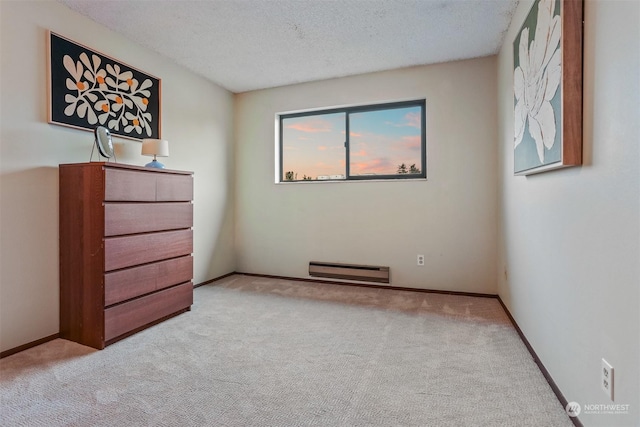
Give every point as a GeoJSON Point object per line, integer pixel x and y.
{"type": "Point", "coordinates": [244, 45]}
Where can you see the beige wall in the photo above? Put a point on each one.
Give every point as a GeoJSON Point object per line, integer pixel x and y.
{"type": "Point", "coordinates": [570, 239]}
{"type": "Point", "coordinates": [450, 218]}
{"type": "Point", "coordinates": [197, 121]}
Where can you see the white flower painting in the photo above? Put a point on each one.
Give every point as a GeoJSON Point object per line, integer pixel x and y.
{"type": "Point", "coordinates": [97, 90]}
{"type": "Point", "coordinates": [537, 79]}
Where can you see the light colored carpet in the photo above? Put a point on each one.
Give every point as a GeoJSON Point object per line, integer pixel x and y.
{"type": "Point", "coordinates": [261, 352]}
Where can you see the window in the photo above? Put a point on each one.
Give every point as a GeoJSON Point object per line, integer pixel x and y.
{"type": "Point", "coordinates": [382, 141]}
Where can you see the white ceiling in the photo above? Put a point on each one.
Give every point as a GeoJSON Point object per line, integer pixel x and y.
{"type": "Point", "coordinates": [244, 45]}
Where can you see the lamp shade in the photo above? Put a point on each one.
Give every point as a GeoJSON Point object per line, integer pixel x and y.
{"type": "Point", "coordinates": [155, 147]}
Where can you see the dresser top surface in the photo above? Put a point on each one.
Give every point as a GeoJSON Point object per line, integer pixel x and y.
{"type": "Point", "coordinates": [113, 165]}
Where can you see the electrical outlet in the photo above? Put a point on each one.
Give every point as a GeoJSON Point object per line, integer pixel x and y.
{"type": "Point", "coordinates": [420, 259]}
{"type": "Point", "coordinates": [606, 378]}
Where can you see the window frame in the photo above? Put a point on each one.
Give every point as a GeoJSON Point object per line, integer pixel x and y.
{"type": "Point", "coordinates": [351, 110]}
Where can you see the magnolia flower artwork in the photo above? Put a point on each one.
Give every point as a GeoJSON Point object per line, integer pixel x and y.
{"type": "Point", "coordinates": [538, 88]}
{"type": "Point", "coordinates": [536, 79]}
{"type": "Point", "coordinates": [89, 89]}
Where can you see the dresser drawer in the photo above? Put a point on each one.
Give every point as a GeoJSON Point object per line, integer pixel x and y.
{"type": "Point", "coordinates": [174, 188]}
{"type": "Point", "coordinates": [132, 282]}
{"type": "Point", "coordinates": [143, 186]}
{"type": "Point", "coordinates": [131, 218]}
{"type": "Point", "coordinates": [134, 314]}
{"type": "Point", "coordinates": [129, 186]}
{"type": "Point", "coordinates": [127, 251]}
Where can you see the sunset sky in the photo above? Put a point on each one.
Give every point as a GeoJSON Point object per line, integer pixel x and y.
{"type": "Point", "coordinates": [380, 141]}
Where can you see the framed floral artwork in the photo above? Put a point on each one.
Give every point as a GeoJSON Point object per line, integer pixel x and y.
{"type": "Point", "coordinates": [88, 89]}
{"type": "Point", "coordinates": [547, 83]}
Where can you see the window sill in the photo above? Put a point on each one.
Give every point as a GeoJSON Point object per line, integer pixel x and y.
{"type": "Point", "coordinates": [350, 181]}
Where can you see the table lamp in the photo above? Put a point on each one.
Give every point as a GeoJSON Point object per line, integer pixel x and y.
{"type": "Point", "coordinates": [155, 148]}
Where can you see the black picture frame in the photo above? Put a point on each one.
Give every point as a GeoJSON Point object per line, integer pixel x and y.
{"type": "Point", "coordinates": [89, 89]}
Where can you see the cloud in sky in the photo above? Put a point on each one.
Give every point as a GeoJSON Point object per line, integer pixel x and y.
{"type": "Point", "coordinates": [382, 153]}
{"type": "Point", "coordinates": [411, 119]}
{"type": "Point", "coordinates": [413, 143]}
{"type": "Point", "coordinates": [380, 166]}
{"type": "Point", "coordinates": [311, 126]}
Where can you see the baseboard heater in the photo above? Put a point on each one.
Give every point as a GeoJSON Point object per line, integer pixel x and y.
{"type": "Point", "coordinates": [365, 273]}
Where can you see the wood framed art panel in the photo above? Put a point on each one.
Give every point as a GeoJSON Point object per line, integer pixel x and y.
{"type": "Point", "coordinates": [89, 89]}
{"type": "Point", "coordinates": [547, 53]}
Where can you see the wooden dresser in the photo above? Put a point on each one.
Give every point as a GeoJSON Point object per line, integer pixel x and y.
{"type": "Point", "coordinates": [125, 249]}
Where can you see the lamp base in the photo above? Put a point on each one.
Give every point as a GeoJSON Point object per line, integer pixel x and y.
{"type": "Point", "coordinates": [154, 164]}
